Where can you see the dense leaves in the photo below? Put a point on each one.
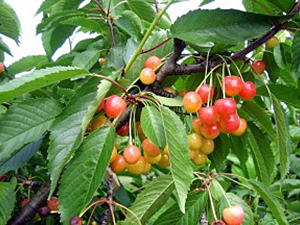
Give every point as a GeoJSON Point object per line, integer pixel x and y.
{"type": "Point", "coordinates": [7, 200]}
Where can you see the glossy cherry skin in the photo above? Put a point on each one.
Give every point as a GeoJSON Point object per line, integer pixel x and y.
{"type": "Point", "coordinates": [53, 203]}
{"type": "Point", "coordinates": [193, 154]}
{"type": "Point", "coordinates": [1, 67]}
{"type": "Point", "coordinates": [102, 61]}
{"type": "Point", "coordinates": [147, 76]}
{"type": "Point", "coordinates": [140, 130]}
{"type": "Point", "coordinates": [200, 159]}
{"type": "Point", "coordinates": [272, 42]}
{"type": "Point", "coordinates": [258, 66]}
{"type": "Point", "coordinates": [124, 130]}
{"type": "Point", "coordinates": [225, 106]}
{"type": "Point", "coordinates": [210, 132]}
{"type": "Point", "coordinates": [75, 220]}
{"type": "Point", "coordinates": [196, 124]}
{"type": "Point", "coordinates": [208, 146]}
{"type": "Point", "coordinates": [150, 148]}
{"type": "Point", "coordinates": [114, 154]}
{"type": "Point", "coordinates": [114, 106]}
{"type": "Point", "coordinates": [44, 211]}
{"type": "Point", "coordinates": [118, 165]}
{"type": "Point", "coordinates": [192, 102]}
{"type": "Point", "coordinates": [164, 162]}
{"type": "Point", "coordinates": [152, 62]}
{"type": "Point", "coordinates": [101, 106]}
{"type": "Point", "coordinates": [131, 154]}
{"type": "Point", "coordinates": [248, 91]}
{"type": "Point", "coordinates": [230, 123]}
{"type": "Point", "coordinates": [204, 93]}
{"type": "Point", "coordinates": [233, 85]}
{"type": "Point", "coordinates": [195, 141]}
{"type": "Point", "coordinates": [218, 222]}
{"type": "Point", "coordinates": [138, 167]}
{"type": "Point", "coordinates": [233, 215]}
{"type": "Point", "coordinates": [242, 128]}
{"type": "Point", "coordinates": [208, 115]}
{"type": "Point", "coordinates": [152, 160]}
{"type": "Point", "coordinates": [147, 167]}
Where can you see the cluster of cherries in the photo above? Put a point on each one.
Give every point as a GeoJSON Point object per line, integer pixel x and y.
{"type": "Point", "coordinates": [148, 75]}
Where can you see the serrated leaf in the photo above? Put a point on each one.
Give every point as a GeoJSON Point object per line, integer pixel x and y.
{"type": "Point", "coordinates": [69, 127]}
{"type": "Point", "coordinates": [4, 47]}
{"type": "Point", "coordinates": [171, 102]}
{"type": "Point", "coordinates": [85, 172]}
{"type": "Point", "coordinates": [7, 201]}
{"type": "Point", "coordinates": [90, 24]}
{"type": "Point", "coordinates": [130, 23]}
{"type": "Point", "coordinates": [152, 198]}
{"type": "Point", "coordinates": [261, 6]}
{"type": "Point", "coordinates": [234, 199]}
{"type": "Point", "coordinates": [285, 5]}
{"type": "Point", "coordinates": [10, 24]}
{"type": "Point", "coordinates": [239, 149]}
{"type": "Point", "coordinates": [270, 200]}
{"type": "Point", "coordinates": [296, 55]}
{"type": "Point", "coordinates": [36, 80]}
{"type": "Point", "coordinates": [86, 59]}
{"type": "Point", "coordinates": [46, 5]}
{"type": "Point", "coordinates": [27, 63]}
{"type": "Point", "coordinates": [205, 2]}
{"type": "Point", "coordinates": [220, 152]}
{"type": "Point", "coordinates": [195, 205]}
{"type": "Point", "coordinates": [176, 140]}
{"type": "Point", "coordinates": [25, 122]}
{"type": "Point", "coordinates": [152, 126]}
{"type": "Point", "coordinates": [286, 185]}
{"type": "Point", "coordinates": [227, 27]}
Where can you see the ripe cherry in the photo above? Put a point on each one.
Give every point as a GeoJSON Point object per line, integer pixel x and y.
{"type": "Point", "coordinates": [218, 222]}
{"type": "Point", "coordinates": [147, 76]}
{"type": "Point", "coordinates": [114, 154]}
{"type": "Point", "coordinates": [171, 90]}
{"type": "Point", "coordinates": [208, 146]}
{"type": "Point", "coordinates": [131, 154]}
{"type": "Point", "coordinates": [258, 66]}
{"type": "Point", "coordinates": [192, 102]}
{"type": "Point", "coordinates": [210, 132]}
{"type": "Point", "coordinates": [101, 106]}
{"type": "Point", "coordinates": [230, 123]}
{"type": "Point", "coordinates": [193, 154]}
{"type": "Point", "coordinates": [147, 167]}
{"type": "Point", "coordinates": [76, 220]}
{"type": "Point", "coordinates": [242, 128]}
{"type": "Point", "coordinates": [99, 121]}
{"type": "Point", "coordinates": [200, 159]}
{"type": "Point", "coordinates": [150, 148]}
{"type": "Point", "coordinates": [24, 202]}
{"type": "Point", "coordinates": [114, 106]}
{"type": "Point", "coordinates": [53, 203]}
{"type": "Point", "coordinates": [233, 85]}
{"type": "Point", "coordinates": [204, 93]}
{"type": "Point", "coordinates": [166, 150]}
{"type": "Point", "coordinates": [233, 215]}
{"type": "Point", "coordinates": [44, 211]}
{"type": "Point", "coordinates": [248, 91]}
{"type": "Point", "coordinates": [195, 141]}
{"type": "Point", "coordinates": [124, 130]}
{"type": "Point", "coordinates": [152, 160]}
{"type": "Point", "coordinates": [272, 42]}
{"type": "Point", "coordinates": [225, 106]}
{"type": "Point", "coordinates": [208, 115]}
{"type": "Point", "coordinates": [1, 67]}
{"type": "Point", "coordinates": [196, 124]}
{"type": "Point", "coordinates": [118, 165]}
{"type": "Point", "coordinates": [152, 62]}
{"type": "Point", "coordinates": [102, 61]}
{"type": "Point", "coordinates": [164, 162]}
{"type": "Point", "coordinates": [138, 167]}
{"type": "Point", "coordinates": [140, 130]}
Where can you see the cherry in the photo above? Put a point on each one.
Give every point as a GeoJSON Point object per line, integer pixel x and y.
{"type": "Point", "coordinates": [138, 167]}
{"type": "Point", "coordinates": [114, 154]}
{"type": "Point", "coordinates": [164, 162]}
{"type": "Point", "coordinates": [196, 124]}
{"type": "Point", "coordinates": [193, 153]}
{"type": "Point", "coordinates": [152, 62]}
{"type": "Point", "coordinates": [1, 67]}
{"type": "Point", "coordinates": [208, 115]}
{"type": "Point", "coordinates": [101, 106]}
{"type": "Point", "coordinates": [233, 215]}
{"type": "Point", "coordinates": [242, 128]}
{"type": "Point", "coordinates": [225, 106]}
{"type": "Point", "coordinates": [53, 203]}
{"type": "Point", "coordinates": [272, 42]}
{"type": "Point", "coordinates": [195, 141]}
{"type": "Point", "coordinates": [171, 90]}
{"type": "Point", "coordinates": [3, 177]}
{"type": "Point", "coordinates": [147, 76]}
{"type": "Point", "coordinates": [102, 61]}
{"type": "Point", "coordinates": [24, 202]}
{"type": "Point", "coordinates": [248, 91]}
{"type": "Point", "coordinates": [44, 211]}
{"type": "Point", "coordinates": [166, 150]}
{"type": "Point", "coordinates": [150, 148]}
{"type": "Point", "coordinates": [131, 154]}
{"type": "Point", "coordinates": [147, 167]}
{"type": "Point", "coordinates": [200, 159]}
{"type": "Point", "coordinates": [76, 220]}
{"type": "Point", "coordinates": [230, 123]}
{"type": "Point", "coordinates": [218, 222]}
{"type": "Point", "coordinates": [114, 106]}
{"type": "Point", "coordinates": [208, 146]}
{"type": "Point", "coordinates": [152, 160]}
{"type": "Point", "coordinates": [140, 130]}
{"type": "Point", "coordinates": [204, 93]}
{"type": "Point", "coordinates": [182, 92]}
{"type": "Point", "coordinates": [258, 66]}
{"type": "Point", "coordinates": [124, 130]}
{"type": "Point", "coordinates": [233, 85]}
{"type": "Point", "coordinates": [210, 132]}
{"type": "Point", "coordinates": [192, 102]}
{"type": "Point", "coordinates": [118, 165]}
{"type": "Point", "coordinates": [99, 121]}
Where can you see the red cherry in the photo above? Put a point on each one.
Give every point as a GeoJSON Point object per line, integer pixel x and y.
{"type": "Point", "coordinates": [225, 106]}
{"type": "Point", "coordinates": [204, 93]}
{"type": "Point", "coordinates": [234, 215]}
{"type": "Point", "coordinates": [248, 91]}
{"type": "Point", "coordinates": [192, 102]}
{"type": "Point", "coordinates": [150, 148]}
{"type": "Point", "coordinates": [242, 128]}
{"type": "Point", "coordinates": [259, 66]}
{"type": "Point", "coordinates": [24, 202]}
{"type": "Point", "coordinates": [118, 165]}
{"type": "Point", "coordinates": [233, 85]}
{"type": "Point", "coordinates": [210, 132]}
{"type": "Point", "coordinates": [131, 154]}
{"type": "Point", "coordinates": [44, 211]}
{"type": "Point", "coordinates": [208, 115]}
{"type": "Point", "coordinates": [230, 123]}
{"type": "Point", "coordinates": [196, 124]}
{"type": "Point", "coordinates": [218, 222]}
{"type": "Point", "coordinates": [53, 204]}
{"type": "Point", "coordinates": [101, 106]}
{"type": "Point", "coordinates": [152, 62]}
{"type": "Point", "coordinates": [114, 106]}
{"type": "Point", "coordinates": [147, 76]}
{"type": "Point", "coordinates": [124, 130]}
{"type": "Point", "coordinates": [76, 220]}
{"type": "Point", "coordinates": [1, 67]}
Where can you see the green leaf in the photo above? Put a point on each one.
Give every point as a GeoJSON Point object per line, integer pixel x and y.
{"type": "Point", "coordinates": [152, 126]}
{"type": "Point", "coordinates": [270, 200]}
{"type": "Point", "coordinates": [27, 63]}
{"type": "Point", "coordinates": [130, 23]}
{"type": "Point", "coordinates": [25, 122]}
{"type": "Point", "coordinates": [152, 198]}
{"type": "Point", "coordinates": [239, 149]}
{"type": "Point", "coordinates": [90, 24]}
{"type": "Point", "coordinates": [10, 24]}
{"type": "Point", "coordinates": [69, 127]}
{"type": "Point", "coordinates": [234, 199]}
{"type": "Point", "coordinates": [46, 5]}
{"type": "Point", "coordinates": [296, 55]}
{"type": "Point", "coordinates": [195, 205]}
{"type": "Point", "coordinates": [4, 47]}
{"type": "Point", "coordinates": [181, 169]}
{"type": "Point", "coordinates": [7, 201]}
{"type": "Point", "coordinates": [261, 6]}
{"type": "Point", "coordinates": [36, 80]}
{"type": "Point", "coordinates": [205, 2]}
{"type": "Point", "coordinates": [220, 152]}
{"type": "Point", "coordinates": [285, 5]}
{"type": "Point", "coordinates": [86, 59]}
{"type": "Point", "coordinates": [286, 185]}
{"type": "Point", "coordinates": [171, 102]}
{"type": "Point", "coordinates": [227, 27]}
{"type": "Point", "coordinates": [85, 172]}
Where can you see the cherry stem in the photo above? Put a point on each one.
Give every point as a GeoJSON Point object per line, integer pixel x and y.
{"type": "Point", "coordinates": [223, 192]}
{"type": "Point", "coordinates": [155, 47]}
{"type": "Point", "coordinates": [100, 6]}
{"type": "Point", "coordinates": [211, 202]}
{"type": "Point", "coordinates": [223, 84]}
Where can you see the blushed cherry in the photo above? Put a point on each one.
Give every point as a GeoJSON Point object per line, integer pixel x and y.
{"type": "Point", "coordinates": [195, 141]}
{"type": "Point", "coordinates": [131, 154]}
{"type": "Point", "coordinates": [233, 85]}
{"type": "Point", "coordinates": [152, 160]}
{"type": "Point", "coordinates": [164, 162]}
{"type": "Point", "coordinates": [114, 154]}
{"type": "Point", "coordinates": [204, 93]}
{"type": "Point", "coordinates": [99, 121]}
{"type": "Point", "coordinates": [150, 148]}
{"type": "Point", "coordinates": [124, 130]}
{"type": "Point", "coordinates": [225, 106]}
{"type": "Point", "coordinates": [242, 128]}
{"type": "Point", "coordinates": [208, 146]}
{"type": "Point", "coordinates": [53, 203]}
{"type": "Point", "coordinates": [196, 124]}
{"type": "Point", "coordinates": [248, 91]}
{"type": "Point", "coordinates": [210, 132]}
{"type": "Point", "coordinates": [192, 102]}
{"type": "Point", "coordinates": [208, 115]}
{"type": "Point", "coordinates": [147, 167]}
{"type": "Point", "coordinates": [140, 130]}
{"type": "Point", "coordinates": [101, 106]}
{"type": "Point", "coordinates": [230, 123]}
{"type": "Point", "coordinates": [218, 222]}
{"type": "Point", "coordinates": [1, 67]}
{"type": "Point", "coordinates": [147, 76]}
{"type": "Point", "coordinates": [138, 167]}
{"type": "Point", "coordinates": [118, 165]}
{"type": "Point", "coordinates": [114, 106]}
{"type": "Point", "coordinates": [258, 66]}
{"type": "Point", "coordinates": [200, 159]}
{"type": "Point", "coordinates": [152, 62]}
{"type": "Point", "coordinates": [193, 154]}
{"type": "Point", "coordinates": [234, 215]}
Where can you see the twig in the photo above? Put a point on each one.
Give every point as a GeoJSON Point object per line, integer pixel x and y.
{"type": "Point", "coordinates": [30, 182]}
{"type": "Point", "coordinates": [100, 6]}
{"type": "Point", "coordinates": [112, 34]}
{"type": "Point", "coordinates": [107, 206]}
{"type": "Point", "coordinates": [156, 6]}
{"type": "Point", "coordinates": [155, 47]}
